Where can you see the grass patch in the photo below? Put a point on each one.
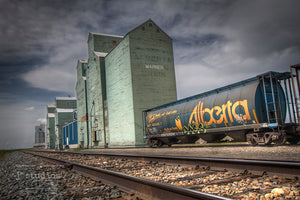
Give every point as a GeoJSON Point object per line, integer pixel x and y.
{"type": "Point", "coordinates": [5, 151]}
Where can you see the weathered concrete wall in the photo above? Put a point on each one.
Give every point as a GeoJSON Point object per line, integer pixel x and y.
{"type": "Point", "coordinates": [65, 102]}
{"type": "Point", "coordinates": [102, 42]}
{"type": "Point", "coordinates": [81, 103]}
{"type": "Point", "coordinates": [50, 126]}
{"type": "Point", "coordinates": [62, 118]}
{"type": "Point", "coordinates": [51, 137]}
{"type": "Point", "coordinates": [98, 46]}
{"type": "Point", "coordinates": [119, 95]}
{"type": "Point", "coordinates": [39, 134]}
{"type": "Point", "coordinates": [95, 102]}
{"type": "Point", "coordinates": [51, 108]}
{"type": "Point", "coordinates": [80, 68]}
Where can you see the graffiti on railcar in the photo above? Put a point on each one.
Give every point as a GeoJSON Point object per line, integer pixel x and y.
{"type": "Point", "coordinates": [154, 116]}
{"type": "Point", "coordinates": [200, 118]}
{"type": "Point", "coordinates": [225, 113]}
{"type": "Point", "coordinates": [191, 127]}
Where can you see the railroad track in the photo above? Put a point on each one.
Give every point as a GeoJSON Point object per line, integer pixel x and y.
{"type": "Point", "coordinates": [286, 168]}
{"type": "Point", "coordinates": [142, 187]}
{"type": "Point", "coordinates": [238, 178]}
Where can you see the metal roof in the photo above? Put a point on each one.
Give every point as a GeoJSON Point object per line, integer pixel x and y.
{"type": "Point", "coordinates": [65, 98]}
{"type": "Point", "coordinates": [51, 106]}
{"type": "Point", "coordinates": [64, 110]}
{"type": "Point", "coordinates": [102, 34]}
{"type": "Point", "coordinates": [100, 54]}
{"type": "Point", "coordinates": [82, 60]}
{"type": "Point", "coordinates": [51, 115]}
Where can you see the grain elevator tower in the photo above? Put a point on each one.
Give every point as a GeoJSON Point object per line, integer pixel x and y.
{"type": "Point", "coordinates": [139, 75]}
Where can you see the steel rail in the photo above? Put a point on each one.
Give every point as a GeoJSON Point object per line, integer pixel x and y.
{"type": "Point", "coordinates": [290, 168]}
{"type": "Point", "coordinates": [142, 187]}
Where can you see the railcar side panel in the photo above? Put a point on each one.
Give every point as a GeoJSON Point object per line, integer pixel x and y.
{"type": "Point", "coordinates": [257, 103]}
{"type": "Point", "coordinates": [229, 108]}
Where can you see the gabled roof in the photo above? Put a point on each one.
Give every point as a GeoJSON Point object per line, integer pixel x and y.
{"type": "Point", "coordinates": [143, 24]}
{"type": "Point", "coordinates": [146, 22]}
{"type": "Point", "coordinates": [65, 98]}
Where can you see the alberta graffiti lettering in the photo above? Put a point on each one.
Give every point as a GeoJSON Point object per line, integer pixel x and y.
{"type": "Point", "coordinates": [201, 118]}
{"type": "Point", "coordinates": [220, 114]}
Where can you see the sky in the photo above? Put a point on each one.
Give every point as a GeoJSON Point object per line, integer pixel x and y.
{"type": "Point", "coordinates": [215, 43]}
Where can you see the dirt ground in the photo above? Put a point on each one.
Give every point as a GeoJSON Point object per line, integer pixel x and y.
{"type": "Point", "coordinates": [291, 153]}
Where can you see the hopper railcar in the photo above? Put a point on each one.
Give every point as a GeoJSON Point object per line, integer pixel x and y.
{"type": "Point", "coordinates": [257, 110]}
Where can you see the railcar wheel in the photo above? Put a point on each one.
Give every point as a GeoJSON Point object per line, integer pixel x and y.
{"type": "Point", "coordinates": [251, 140]}
{"type": "Point", "coordinates": [155, 143]}
{"type": "Point", "coordinates": [159, 143]}
{"type": "Point", "coordinates": [281, 139]}
{"type": "Point", "coordinates": [149, 142]}
{"type": "Point", "coordinates": [267, 139]}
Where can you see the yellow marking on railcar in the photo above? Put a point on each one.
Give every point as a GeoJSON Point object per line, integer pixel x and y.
{"type": "Point", "coordinates": [255, 116]}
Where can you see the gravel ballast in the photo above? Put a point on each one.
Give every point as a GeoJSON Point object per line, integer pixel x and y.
{"type": "Point", "coordinates": [233, 184]}
{"type": "Point", "coordinates": [23, 176]}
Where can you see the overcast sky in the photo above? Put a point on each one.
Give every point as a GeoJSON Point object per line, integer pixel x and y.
{"type": "Point", "coordinates": [215, 43]}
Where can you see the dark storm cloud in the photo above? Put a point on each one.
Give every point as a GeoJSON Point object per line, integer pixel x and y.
{"type": "Point", "coordinates": [253, 37]}
{"type": "Point", "coordinates": [30, 32]}
{"type": "Point", "coordinates": [265, 27]}
{"type": "Point", "coordinates": [55, 33]}
{"type": "Point", "coordinates": [26, 27]}
{"type": "Point", "coordinates": [259, 27]}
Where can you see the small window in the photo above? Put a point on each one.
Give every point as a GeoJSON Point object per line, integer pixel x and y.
{"type": "Point", "coordinates": [150, 24]}
{"type": "Point", "coordinates": [143, 28]}
{"type": "Point", "coordinates": [95, 136]}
